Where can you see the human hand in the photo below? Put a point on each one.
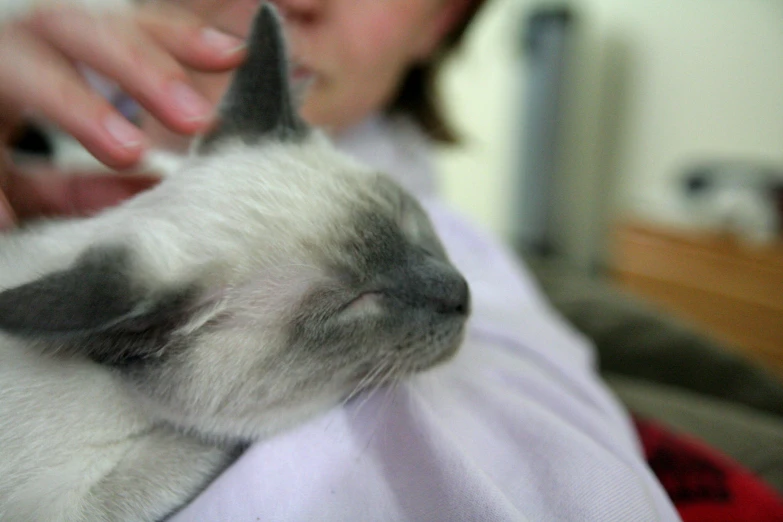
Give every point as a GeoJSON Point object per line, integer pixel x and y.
{"type": "Point", "coordinates": [230, 16]}
{"type": "Point", "coordinates": [45, 191]}
{"type": "Point", "coordinates": [148, 52]}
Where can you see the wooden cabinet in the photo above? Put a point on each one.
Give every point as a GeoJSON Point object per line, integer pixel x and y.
{"type": "Point", "coordinates": [733, 291]}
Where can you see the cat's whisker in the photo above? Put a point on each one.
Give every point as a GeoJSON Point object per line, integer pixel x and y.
{"type": "Point", "coordinates": [366, 380]}
{"type": "Point", "coordinates": [364, 383]}
{"type": "Point", "coordinates": [392, 377]}
{"type": "Point", "coordinates": [377, 384]}
{"type": "Point", "coordinates": [365, 399]}
{"type": "Point", "coordinates": [369, 378]}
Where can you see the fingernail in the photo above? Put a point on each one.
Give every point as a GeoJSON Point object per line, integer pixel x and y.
{"type": "Point", "coordinates": [189, 102]}
{"type": "Point", "coordinates": [123, 131]}
{"type": "Point", "coordinates": [220, 41]}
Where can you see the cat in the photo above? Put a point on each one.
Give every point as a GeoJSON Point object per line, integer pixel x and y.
{"type": "Point", "coordinates": [266, 279]}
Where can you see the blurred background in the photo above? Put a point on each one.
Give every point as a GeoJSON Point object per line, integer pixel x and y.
{"type": "Point", "coordinates": [649, 88]}
{"type": "Point", "coordinates": [632, 152]}
{"type": "Point", "coordinates": [640, 140]}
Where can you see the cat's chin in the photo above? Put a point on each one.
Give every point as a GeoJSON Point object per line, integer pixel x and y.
{"type": "Point", "coordinates": [384, 371]}
{"type": "Point", "coordinates": [441, 357]}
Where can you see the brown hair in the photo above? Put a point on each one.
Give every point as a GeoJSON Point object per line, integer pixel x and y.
{"type": "Point", "coordinates": [417, 95]}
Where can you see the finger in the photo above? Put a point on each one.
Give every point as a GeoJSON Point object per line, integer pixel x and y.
{"type": "Point", "coordinates": [7, 215]}
{"type": "Point", "coordinates": [55, 194]}
{"type": "Point", "coordinates": [117, 48]}
{"type": "Point", "coordinates": [36, 79]}
{"type": "Point", "coordinates": [186, 37]}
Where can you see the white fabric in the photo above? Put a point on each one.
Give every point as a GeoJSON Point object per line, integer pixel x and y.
{"type": "Point", "coordinates": [517, 427]}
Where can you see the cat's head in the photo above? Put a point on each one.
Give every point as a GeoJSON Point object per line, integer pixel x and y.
{"type": "Point", "coordinates": [266, 278]}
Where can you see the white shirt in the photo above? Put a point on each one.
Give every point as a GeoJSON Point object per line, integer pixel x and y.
{"type": "Point", "coordinates": [516, 427]}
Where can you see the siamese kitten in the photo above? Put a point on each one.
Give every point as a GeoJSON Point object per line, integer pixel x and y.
{"type": "Point", "coordinates": [263, 281]}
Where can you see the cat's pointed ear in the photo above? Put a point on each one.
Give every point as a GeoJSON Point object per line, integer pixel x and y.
{"type": "Point", "coordinates": [259, 102]}
{"type": "Point", "coordinates": [95, 309]}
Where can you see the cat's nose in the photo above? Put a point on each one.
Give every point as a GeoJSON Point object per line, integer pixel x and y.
{"type": "Point", "coordinates": [429, 284]}
{"type": "Point", "coordinates": [453, 297]}
{"type": "Point", "coordinates": [442, 289]}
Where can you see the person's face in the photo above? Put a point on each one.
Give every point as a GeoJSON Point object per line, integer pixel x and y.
{"type": "Point", "coordinates": [357, 51]}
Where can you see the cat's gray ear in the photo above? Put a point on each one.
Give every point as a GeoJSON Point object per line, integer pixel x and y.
{"type": "Point", "coordinates": [95, 309]}
{"type": "Point", "coordinates": [259, 102]}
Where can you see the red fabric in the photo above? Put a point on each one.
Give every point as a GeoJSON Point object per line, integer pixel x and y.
{"type": "Point", "coordinates": [705, 485]}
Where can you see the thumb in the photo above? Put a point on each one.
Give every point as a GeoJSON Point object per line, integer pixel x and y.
{"type": "Point", "coordinates": [55, 193]}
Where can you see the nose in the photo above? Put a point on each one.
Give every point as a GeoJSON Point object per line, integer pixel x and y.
{"type": "Point", "coordinates": [453, 296]}
{"type": "Point", "coordinates": [299, 11]}
{"type": "Point", "coordinates": [431, 284]}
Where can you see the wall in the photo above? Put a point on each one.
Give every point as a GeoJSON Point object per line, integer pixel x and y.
{"type": "Point", "coordinates": [704, 81]}
{"type": "Point", "coordinates": [479, 88]}
{"type": "Point", "coordinates": [652, 86]}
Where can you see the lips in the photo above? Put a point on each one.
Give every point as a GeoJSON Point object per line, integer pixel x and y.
{"type": "Point", "coordinates": [300, 73]}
